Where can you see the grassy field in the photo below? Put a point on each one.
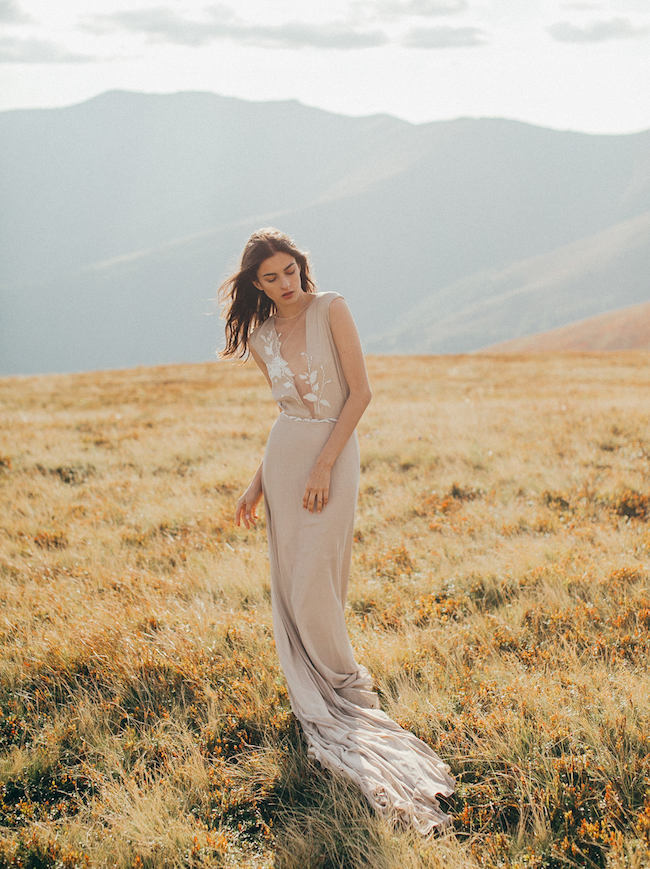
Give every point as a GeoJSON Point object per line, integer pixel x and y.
{"type": "Point", "coordinates": [499, 596]}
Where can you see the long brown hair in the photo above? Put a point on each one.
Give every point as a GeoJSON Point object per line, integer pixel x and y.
{"type": "Point", "coordinates": [247, 306]}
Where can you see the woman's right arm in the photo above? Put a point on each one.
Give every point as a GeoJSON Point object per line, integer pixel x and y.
{"type": "Point", "coordinates": [246, 510]}
{"type": "Point", "coordinates": [258, 359]}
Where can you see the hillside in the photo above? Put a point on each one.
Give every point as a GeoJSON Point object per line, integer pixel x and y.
{"type": "Point", "coordinates": [605, 270]}
{"type": "Point", "coordinates": [498, 596]}
{"type": "Point", "coordinates": [123, 213]}
{"type": "Point", "coordinates": [624, 329]}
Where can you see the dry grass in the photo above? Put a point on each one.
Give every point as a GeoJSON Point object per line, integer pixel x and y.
{"type": "Point", "coordinates": [499, 596]}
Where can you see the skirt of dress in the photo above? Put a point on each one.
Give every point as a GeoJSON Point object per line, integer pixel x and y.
{"type": "Point", "coordinates": [330, 693]}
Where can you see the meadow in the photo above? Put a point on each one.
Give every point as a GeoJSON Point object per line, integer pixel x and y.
{"type": "Point", "coordinates": [499, 596]}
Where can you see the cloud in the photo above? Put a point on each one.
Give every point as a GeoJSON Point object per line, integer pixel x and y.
{"type": "Point", "coordinates": [443, 37]}
{"type": "Point", "coordinates": [299, 35]}
{"type": "Point", "coordinates": [404, 8]}
{"type": "Point", "coordinates": [15, 50]}
{"type": "Point", "coordinates": [163, 25]}
{"type": "Point", "coordinates": [10, 13]}
{"type": "Point", "coordinates": [596, 31]}
{"type": "Point", "coordinates": [158, 23]}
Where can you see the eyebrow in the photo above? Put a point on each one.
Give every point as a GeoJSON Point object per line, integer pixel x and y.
{"type": "Point", "coordinates": [272, 274]}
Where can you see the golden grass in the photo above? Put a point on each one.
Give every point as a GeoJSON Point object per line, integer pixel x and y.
{"type": "Point", "coordinates": [499, 595]}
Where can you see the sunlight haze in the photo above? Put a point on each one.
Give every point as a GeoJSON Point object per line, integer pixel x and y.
{"type": "Point", "coordinates": [568, 65]}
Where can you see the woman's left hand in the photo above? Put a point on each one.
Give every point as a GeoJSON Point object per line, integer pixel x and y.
{"type": "Point", "coordinates": [317, 490]}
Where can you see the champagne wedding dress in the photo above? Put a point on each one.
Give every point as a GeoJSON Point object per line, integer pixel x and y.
{"type": "Point", "coordinates": [330, 693]}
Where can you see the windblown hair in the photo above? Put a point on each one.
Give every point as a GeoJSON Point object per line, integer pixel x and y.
{"type": "Point", "coordinates": [246, 306]}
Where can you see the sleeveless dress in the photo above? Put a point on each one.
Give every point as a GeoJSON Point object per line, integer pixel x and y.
{"type": "Point", "coordinates": [330, 693]}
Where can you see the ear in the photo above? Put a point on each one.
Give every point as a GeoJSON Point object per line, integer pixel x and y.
{"type": "Point", "coordinates": [257, 286]}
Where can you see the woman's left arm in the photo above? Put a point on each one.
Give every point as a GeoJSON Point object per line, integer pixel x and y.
{"type": "Point", "coordinates": [348, 345]}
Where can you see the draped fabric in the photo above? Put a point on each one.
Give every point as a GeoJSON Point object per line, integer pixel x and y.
{"type": "Point", "coordinates": [331, 694]}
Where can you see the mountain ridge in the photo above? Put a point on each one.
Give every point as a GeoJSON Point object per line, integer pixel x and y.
{"type": "Point", "coordinates": [590, 259]}
{"type": "Point", "coordinates": [612, 331]}
{"type": "Point", "coordinates": [123, 205]}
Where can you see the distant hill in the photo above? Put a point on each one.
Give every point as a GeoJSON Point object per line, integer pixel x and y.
{"type": "Point", "coordinates": [625, 329]}
{"type": "Point", "coordinates": [123, 213]}
{"type": "Point", "coordinates": [602, 271]}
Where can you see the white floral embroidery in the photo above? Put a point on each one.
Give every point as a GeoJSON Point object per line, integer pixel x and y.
{"type": "Point", "coordinates": [317, 383]}
{"type": "Point", "coordinates": [276, 364]}
{"type": "Point", "coordinates": [280, 371]}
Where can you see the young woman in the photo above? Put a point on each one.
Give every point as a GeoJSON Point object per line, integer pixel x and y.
{"type": "Point", "coordinates": [307, 346]}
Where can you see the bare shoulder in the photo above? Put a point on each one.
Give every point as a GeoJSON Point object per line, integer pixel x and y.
{"type": "Point", "coordinates": [342, 325]}
{"type": "Point", "coordinates": [348, 344]}
{"type": "Point", "coordinates": [325, 298]}
{"type": "Point", "coordinates": [339, 312]}
{"type": "Point", "coordinates": [330, 301]}
{"type": "Point", "coordinates": [338, 303]}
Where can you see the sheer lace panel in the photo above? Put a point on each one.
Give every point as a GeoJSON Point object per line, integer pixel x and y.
{"type": "Point", "coordinates": [292, 335]}
{"type": "Point", "coordinates": [300, 362]}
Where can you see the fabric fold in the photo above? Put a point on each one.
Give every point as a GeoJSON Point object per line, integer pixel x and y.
{"type": "Point", "coordinates": [331, 694]}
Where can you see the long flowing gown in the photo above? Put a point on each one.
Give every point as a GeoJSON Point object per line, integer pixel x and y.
{"type": "Point", "coordinates": [330, 693]}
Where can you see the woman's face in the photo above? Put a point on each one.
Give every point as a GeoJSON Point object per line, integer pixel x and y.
{"type": "Point", "coordinates": [279, 278]}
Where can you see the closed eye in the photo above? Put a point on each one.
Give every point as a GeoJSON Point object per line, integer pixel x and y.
{"type": "Point", "coordinates": [288, 271]}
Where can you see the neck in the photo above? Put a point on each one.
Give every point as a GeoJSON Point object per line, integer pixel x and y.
{"type": "Point", "coordinates": [294, 309]}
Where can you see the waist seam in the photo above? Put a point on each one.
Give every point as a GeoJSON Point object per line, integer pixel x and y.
{"type": "Point", "coordinates": [308, 418]}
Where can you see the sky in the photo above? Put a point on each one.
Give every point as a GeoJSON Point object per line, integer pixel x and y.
{"type": "Point", "coordinates": [567, 65]}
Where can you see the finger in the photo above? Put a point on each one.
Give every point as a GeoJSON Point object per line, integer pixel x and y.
{"type": "Point", "coordinates": [241, 509]}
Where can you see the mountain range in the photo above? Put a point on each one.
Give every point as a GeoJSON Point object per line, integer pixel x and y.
{"type": "Point", "coordinates": [122, 214]}
{"type": "Point", "coordinates": [624, 329]}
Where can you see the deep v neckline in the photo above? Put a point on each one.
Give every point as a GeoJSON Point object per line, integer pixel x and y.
{"type": "Point", "coordinates": [288, 369]}
{"type": "Point", "coordinates": [307, 336]}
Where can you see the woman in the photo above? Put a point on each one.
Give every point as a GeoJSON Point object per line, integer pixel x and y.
{"type": "Point", "coordinates": [306, 345]}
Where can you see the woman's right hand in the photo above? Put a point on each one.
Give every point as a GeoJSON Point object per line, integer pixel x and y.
{"type": "Point", "coordinates": [246, 511]}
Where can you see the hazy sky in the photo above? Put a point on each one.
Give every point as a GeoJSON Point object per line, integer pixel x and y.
{"type": "Point", "coordinates": [569, 65]}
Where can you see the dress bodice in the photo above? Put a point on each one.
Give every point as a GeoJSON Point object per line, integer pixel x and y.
{"type": "Point", "coordinates": [302, 361]}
